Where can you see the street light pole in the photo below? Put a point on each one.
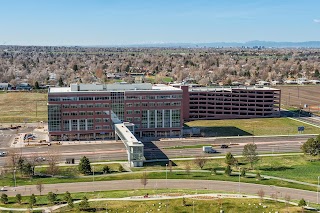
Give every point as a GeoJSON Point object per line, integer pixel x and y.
{"type": "Point", "coordinates": [318, 190]}
{"type": "Point", "coordinates": [166, 176]}
{"type": "Point", "coordinates": [14, 177]}
{"type": "Point", "coordinates": [239, 180]}
{"type": "Point", "coordinates": [93, 172]}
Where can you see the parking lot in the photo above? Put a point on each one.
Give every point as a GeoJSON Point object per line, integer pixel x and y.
{"type": "Point", "coordinates": [6, 137]}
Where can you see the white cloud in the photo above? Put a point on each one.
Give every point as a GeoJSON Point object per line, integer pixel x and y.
{"type": "Point", "coordinates": [316, 20]}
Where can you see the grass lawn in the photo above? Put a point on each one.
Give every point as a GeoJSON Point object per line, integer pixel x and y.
{"type": "Point", "coordinates": [257, 126]}
{"type": "Point", "coordinates": [291, 167]}
{"type": "Point", "coordinates": [18, 107]}
{"type": "Point", "coordinates": [206, 204]}
{"type": "Point", "coordinates": [200, 204]}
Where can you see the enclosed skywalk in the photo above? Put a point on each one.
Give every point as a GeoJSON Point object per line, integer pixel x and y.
{"type": "Point", "coordinates": [125, 131]}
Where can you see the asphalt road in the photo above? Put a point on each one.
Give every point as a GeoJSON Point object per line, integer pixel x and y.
{"type": "Point", "coordinates": [112, 150]}
{"type": "Point", "coordinates": [223, 186]}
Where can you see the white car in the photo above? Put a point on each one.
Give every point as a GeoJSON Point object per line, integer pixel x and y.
{"type": "Point", "coordinates": [40, 159]}
{"type": "Point", "coordinates": [2, 154]}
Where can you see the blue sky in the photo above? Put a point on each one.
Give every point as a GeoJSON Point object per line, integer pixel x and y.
{"type": "Point", "coordinates": [114, 22]}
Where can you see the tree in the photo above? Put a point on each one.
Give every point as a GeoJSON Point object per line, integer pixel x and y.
{"type": "Point", "coordinates": [311, 147]}
{"type": "Point", "coordinates": [84, 204]}
{"type": "Point", "coordinates": [287, 198]}
{"type": "Point", "coordinates": [144, 179]}
{"type": "Point", "coordinates": [84, 165]}
{"type": "Point", "coordinates": [39, 186]}
{"type": "Point", "coordinates": [67, 197]}
{"type": "Point", "coordinates": [243, 172]}
{"type": "Point", "coordinates": [261, 194]}
{"type": "Point", "coordinates": [230, 160]}
{"type": "Point", "coordinates": [184, 203]}
{"type": "Point", "coordinates": [52, 197]}
{"type": "Point", "coordinates": [4, 198]}
{"type": "Point", "coordinates": [187, 168]}
{"type": "Point", "coordinates": [258, 176]}
{"type": "Point", "coordinates": [75, 67]}
{"type": "Point", "coordinates": [106, 169]}
{"type": "Point", "coordinates": [60, 83]}
{"type": "Point", "coordinates": [27, 169]}
{"type": "Point", "coordinates": [228, 170]}
{"type": "Point", "coordinates": [170, 165]}
{"type": "Point", "coordinates": [200, 161]}
{"type": "Point", "coordinates": [121, 169]}
{"type": "Point", "coordinates": [36, 85]}
{"type": "Point", "coordinates": [13, 158]}
{"type": "Point", "coordinates": [32, 201]}
{"type": "Point", "coordinates": [302, 203]}
{"type": "Point", "coordinates": [250, 153]}
{"type": "Point", "coordinates": [20, 165]}
{"type": "Point", "coordinates": [19, 198]}
{"type": "Point", "coordinates": [53, 160]}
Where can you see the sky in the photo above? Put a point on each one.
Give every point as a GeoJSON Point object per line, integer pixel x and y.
{"type": "Point", "coordinates": [124, 22]}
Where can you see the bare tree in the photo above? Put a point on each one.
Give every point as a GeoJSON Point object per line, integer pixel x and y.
{"type": "Point", "coordinates": [13, 158]}
{"type": "Point", "coordinates": [187, 168]}
{"type": "Point", "coordinates": [287, 198]}
{"type": "Point", "coordinates": [144, 179]}
{"type": "Point", "coordinates": [53, 158]}
{"type": "Point", "coordinates": [200, 161]}
{"type": "Point", "coordinates": [170, 165]}
{"type": "Point", "coordinates": [34, 160]}
{"type": "Point", "coordinates": [39, 186]}
{"type": "Point", "coordinates": [261, 194]}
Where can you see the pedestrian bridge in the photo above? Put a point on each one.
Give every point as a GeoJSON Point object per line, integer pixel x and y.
{"type": "Point", "coordinates": [124, 131]}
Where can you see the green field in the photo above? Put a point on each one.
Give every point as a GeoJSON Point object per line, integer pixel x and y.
{"type": "Point", "coordinates": [19, 107]}
{"type": "Point", "coordinates": [257, 126]}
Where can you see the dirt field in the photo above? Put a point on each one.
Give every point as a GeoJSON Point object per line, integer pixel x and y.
{"type": "Point", "coordinates": [19, 107]}
{"type": "Point", "coordinates": [299, 95]}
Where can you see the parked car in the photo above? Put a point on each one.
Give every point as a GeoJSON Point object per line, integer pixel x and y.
{"type": "Point", "coordinates": [224, 146]}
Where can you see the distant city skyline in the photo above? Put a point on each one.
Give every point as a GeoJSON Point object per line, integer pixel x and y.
{"type": "Point", "coordinates": [127, 22]}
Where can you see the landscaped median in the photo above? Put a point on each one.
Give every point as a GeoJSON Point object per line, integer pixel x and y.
{"type": "Point", "coordinates": [294, 167]}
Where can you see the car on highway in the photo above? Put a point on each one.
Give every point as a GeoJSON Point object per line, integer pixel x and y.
{"type": "Point", "coordinates": [3, 189]}
{"type": "Point", "coordinates": [40, 159]}
{"type": "Point", "coordinates": [3, 154]}
{"type": "Point", "coordinates": [224, 146]}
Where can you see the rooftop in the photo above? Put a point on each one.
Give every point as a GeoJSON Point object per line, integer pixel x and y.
{"type": "Point", "coordinates": [231, 88]}
{"type": "Point", "coordinates": [112, 87]}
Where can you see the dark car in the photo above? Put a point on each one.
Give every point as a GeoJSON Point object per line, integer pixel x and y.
{"type": "Point", "coordinates": [224, 146]}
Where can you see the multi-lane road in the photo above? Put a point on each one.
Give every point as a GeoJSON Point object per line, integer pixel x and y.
{"type": "Point", "coordinates": [163, 149]}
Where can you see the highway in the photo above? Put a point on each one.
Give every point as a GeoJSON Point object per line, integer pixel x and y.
{"type": "Point", "coordinates": [163, 149]}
